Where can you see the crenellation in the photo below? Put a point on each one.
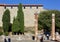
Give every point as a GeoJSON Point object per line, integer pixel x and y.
{"type": "Point", "coordinates": [24, 7]}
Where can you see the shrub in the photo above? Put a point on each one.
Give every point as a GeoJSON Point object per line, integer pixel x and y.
{"type": "Point", "coordinates": [6, 33]}
{"type": "Point", "coordinates": [1, 33]}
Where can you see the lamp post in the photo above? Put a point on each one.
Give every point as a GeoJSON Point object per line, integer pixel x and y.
{"type": "Point", "coordinates": [36, 25]}
{"type": "Point", "coordinates": [53, 27]}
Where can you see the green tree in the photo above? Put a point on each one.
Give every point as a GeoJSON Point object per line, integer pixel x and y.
{"type": "Point", "coordinates": [45, 20]}
{"type": "Point", "coordinates": [6, 20]}
{"type": "Point", "coordinates": [20, 17]}
{"type": "Point", "coordinates": [15, 25]}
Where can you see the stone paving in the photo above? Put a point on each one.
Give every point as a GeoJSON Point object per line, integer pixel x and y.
{"type": "Point", "coordinates": [28, 41]}
{"type": "Point", "coordinates": [20, 39]}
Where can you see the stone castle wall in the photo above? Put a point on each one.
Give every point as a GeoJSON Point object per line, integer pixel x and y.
{"type": "Point", "coordinates": [28, 13]}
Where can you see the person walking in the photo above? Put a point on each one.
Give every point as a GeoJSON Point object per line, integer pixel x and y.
{"type": "Point", "coordinates": [41, 40]}
{"type": "Point", "coordinates": [9, 40]}
{"type": "Point", "coordinates": [47, 36]}
{"type": "Point", "coordinates": [5, 40]}
{"type": "Point", "coordinates": [33, 37]}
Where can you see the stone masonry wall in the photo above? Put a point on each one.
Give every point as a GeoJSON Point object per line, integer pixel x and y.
{"type": "Point", "coordinates": [28, 14]}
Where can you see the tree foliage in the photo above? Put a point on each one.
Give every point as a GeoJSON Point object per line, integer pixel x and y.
{"type": "Point", "coordinates": [45, 20]}
{"type": "Point", "coordinates": [15, 25]}
{"type": "Point", "coordinates": [18, 22]}
{"type": "Point", "coordinates": [6, 20]}
{"type": "Point", "coordinates": [20, 17]}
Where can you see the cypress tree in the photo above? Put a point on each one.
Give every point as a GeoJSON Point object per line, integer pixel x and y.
{"type": "Point", "coordinates": [15, 25]}
{"type": "Point", "coordinates": [20, 17]}
{"type": "Point", "coordinates": [6, 20]}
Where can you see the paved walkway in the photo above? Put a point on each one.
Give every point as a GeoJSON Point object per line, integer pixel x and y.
{"type": "Point", "coordinates": [50, 41]}
{"type": "Point", "coordinates": [16, 39]}
{"type": "Point", "coordinates": [28, 41]}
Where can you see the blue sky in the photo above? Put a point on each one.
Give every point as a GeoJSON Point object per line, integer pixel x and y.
{"type": "Point", "coordinates": [48, 4]}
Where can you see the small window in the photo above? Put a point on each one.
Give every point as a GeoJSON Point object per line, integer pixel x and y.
{"type": "Point", "coordinates": [37, 7]}
{"type": "Point", "coordinates": [24, 7]}
{"type": "Point", "coordinates": [5, 7]}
